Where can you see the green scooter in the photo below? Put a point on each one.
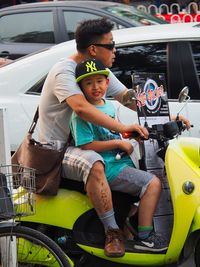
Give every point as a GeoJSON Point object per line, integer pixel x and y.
{"type": "Point", "coordinates": [71, 221]}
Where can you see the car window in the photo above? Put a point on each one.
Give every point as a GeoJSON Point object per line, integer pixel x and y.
{"type": "Point", "coordinates": [196, 56]}
{"type": "Point", "coordinates": [133, 15]}
{"type": "Point", "coordinates": [36, 89]}
{"type": "Point", "coordinates": [150, 58]}
{"type": "Point", "coordinates": [174, 60]}
{"type": "Point", "coordinates": [31, 27]}
{"type": "Point", "coordinates": [73, 18]}
{"type": "Point", "coordinates": [182, 70]}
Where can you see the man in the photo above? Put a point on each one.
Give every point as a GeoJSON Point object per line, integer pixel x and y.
{"type": "Point", "coordinates": [60, 96]}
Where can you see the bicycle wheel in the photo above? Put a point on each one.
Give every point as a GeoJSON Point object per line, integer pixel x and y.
{"type": "Point", "coordinates": [30, 248]}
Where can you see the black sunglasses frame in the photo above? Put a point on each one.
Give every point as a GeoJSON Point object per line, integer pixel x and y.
{"type": "Point", "coordinates": [110, 46]}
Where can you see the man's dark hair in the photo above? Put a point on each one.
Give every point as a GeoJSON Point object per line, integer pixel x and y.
{"type": "Point", "coordinates": [90, 32]}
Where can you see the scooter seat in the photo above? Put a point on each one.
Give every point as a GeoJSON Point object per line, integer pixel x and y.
{"type": "Point", "coordinates": [72, 185]}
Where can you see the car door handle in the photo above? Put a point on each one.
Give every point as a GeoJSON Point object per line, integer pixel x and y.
{"type": "Point", "coordinates": [5, 53]}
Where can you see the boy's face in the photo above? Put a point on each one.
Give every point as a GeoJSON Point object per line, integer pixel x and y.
{"type": "Point", "coordinates": [94, 87]}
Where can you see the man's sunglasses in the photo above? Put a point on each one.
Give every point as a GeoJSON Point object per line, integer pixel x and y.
{"type": "Point", "coordinates": [110, 46]}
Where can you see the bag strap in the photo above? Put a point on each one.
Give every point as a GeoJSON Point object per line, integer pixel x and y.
{"type": "Point", "coordinates": [34, 122]}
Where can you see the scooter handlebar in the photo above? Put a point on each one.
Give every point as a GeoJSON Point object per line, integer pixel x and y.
{"type": "Point", "coordinates": [167, 130]}
{"type": "Point", "coordinates": [164, 131]}
{"type": "Point", "coordinates": [160, 132]}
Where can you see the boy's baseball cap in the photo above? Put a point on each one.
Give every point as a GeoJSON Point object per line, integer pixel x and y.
{"type": "Point", "coordinates": [90, 67]}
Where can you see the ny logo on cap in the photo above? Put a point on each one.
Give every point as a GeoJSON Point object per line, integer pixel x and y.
{"type": "Point", "coordinates": [91, 66]}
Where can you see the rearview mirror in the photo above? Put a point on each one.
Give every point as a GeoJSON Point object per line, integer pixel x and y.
{"type": "Point", "coordinates": [183, 95]}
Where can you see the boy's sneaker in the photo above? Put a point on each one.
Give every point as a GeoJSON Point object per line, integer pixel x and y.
{"type": "Point", "coordinates": [153, 242]}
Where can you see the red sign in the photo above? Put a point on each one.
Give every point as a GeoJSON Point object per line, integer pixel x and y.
{"type": "Point", "coordinates": [181, 17]}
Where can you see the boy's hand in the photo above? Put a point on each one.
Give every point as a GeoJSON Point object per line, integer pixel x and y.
{"type": "Point", "coordinates": [125, 146]}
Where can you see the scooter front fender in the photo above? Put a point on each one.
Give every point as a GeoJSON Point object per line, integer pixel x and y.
{"type": "Point", "coordinates": [61, 210]}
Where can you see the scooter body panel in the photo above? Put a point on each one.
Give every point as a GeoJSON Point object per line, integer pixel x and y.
{"type": "Point", "coordinates": [61, 210]}
{"type": "Point", "coordinates": [182, 165]}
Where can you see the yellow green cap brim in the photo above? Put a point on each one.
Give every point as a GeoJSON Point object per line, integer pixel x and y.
{"type": "Point", "coordinates": [103, 72]}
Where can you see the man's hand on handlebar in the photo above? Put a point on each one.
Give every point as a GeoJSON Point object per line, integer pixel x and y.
{"type": "Point", "coordinates": [183, 119]}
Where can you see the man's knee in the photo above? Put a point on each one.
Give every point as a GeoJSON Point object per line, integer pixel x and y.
{"type": "Point", "coordinates": [97, 171]}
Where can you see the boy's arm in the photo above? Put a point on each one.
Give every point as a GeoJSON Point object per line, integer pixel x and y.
{"type": "Point", "coordinates": [102, 146]}
{"type": "Point", "coordinates": [84, 137]}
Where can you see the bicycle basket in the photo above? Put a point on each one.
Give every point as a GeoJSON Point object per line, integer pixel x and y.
{"type": "Point", "coordinates": [17, 188]}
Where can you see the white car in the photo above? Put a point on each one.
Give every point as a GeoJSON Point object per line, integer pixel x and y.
{"type": "Point", "coordinates": [172, 51]}
{"type": "Point", "coordinates": [22, 32]}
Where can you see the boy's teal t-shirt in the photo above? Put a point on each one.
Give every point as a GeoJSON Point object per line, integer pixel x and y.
{"type": "Point", "coordinates": [85, 132]}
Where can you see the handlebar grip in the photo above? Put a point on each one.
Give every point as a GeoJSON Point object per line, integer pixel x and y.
{"type": "Point", "coordinates": [130, 135]}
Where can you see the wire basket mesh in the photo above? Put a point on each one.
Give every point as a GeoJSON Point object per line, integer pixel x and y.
{"type": "Point", "coordinates": [17, 188]}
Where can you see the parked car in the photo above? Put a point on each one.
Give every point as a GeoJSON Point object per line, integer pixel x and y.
{"type": "Point", "coordinates": [29, 27]}
{"type": "Point", "coordinates": [172, 50]}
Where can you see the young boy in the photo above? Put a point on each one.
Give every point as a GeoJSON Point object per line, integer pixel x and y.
{"type": "Point", "coordinates": [92, 77]}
